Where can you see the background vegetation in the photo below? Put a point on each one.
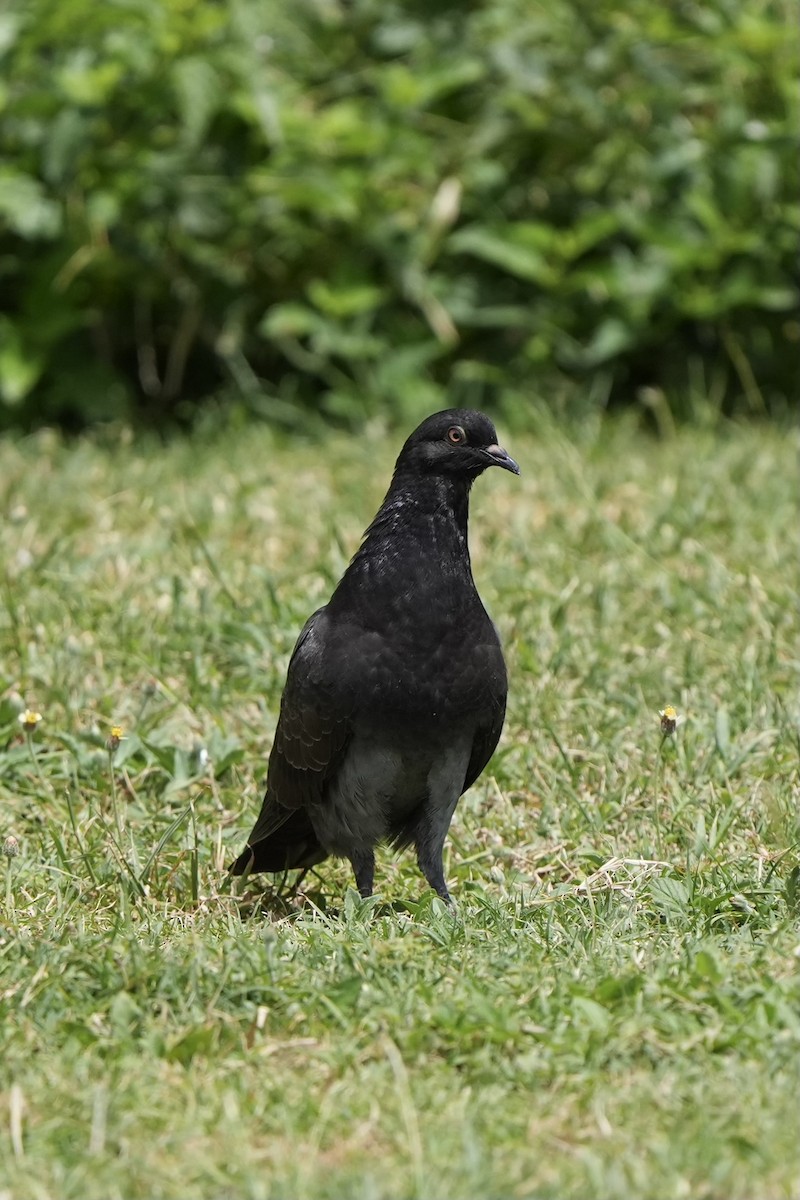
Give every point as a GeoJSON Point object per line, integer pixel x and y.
{"type": "Point", "coordinates": [384, 205]}
{"type": "Point", "coordinates": [613, 1014]}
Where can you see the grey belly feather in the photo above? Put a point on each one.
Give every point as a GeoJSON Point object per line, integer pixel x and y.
{"type": "Point", "coordinates": [380, 788]}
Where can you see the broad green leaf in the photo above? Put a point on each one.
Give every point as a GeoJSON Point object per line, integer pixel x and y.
{"type": "Point", "coordinates": [344, 300]}
{"type": "Point", "coordinates": [198, 91]}
{"type": "Point", "coordinates": [19, 368]}
{"type": "Point", "coordinates": [25, 208]}
{"type": "Point", "coordinates": [514, 249]}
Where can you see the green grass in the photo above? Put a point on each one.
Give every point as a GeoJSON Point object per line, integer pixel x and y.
{"type": "Point", "coordinates": [615, 1010]}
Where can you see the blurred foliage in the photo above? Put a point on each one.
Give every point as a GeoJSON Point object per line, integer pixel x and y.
{"type": "Point", "coordinates": [376, 204]}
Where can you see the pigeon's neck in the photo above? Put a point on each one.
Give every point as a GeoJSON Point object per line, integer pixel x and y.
{"type": "Point", "coordinates": [417, 544]}
{"type": "Point", "coordinates": [430, 510]}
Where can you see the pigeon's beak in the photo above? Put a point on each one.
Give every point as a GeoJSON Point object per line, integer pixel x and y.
{"type": "Point", "coordinates": [501, 458]}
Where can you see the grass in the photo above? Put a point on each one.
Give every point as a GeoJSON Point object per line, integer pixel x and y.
{"type": "Point", "coordinates": [615, 1010]}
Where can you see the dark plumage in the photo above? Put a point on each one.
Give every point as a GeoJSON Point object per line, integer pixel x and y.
{"type": "Point", "coordinates": [396, 690]}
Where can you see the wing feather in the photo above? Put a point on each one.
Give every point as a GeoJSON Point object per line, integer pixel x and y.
{"type": "Point", "coordinates": [492, 670]}
{"type": "Point", "coordinates": [312, 734]}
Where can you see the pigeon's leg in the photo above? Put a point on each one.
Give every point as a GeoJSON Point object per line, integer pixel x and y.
{"type": "Point", "coordinates": [444, 789]}
{"type": "Point", "coordinates": [363, 863]}
{"type": "Point", "coordinates": [299, 880]}
{"type": "Point", "coordinates": [433, 870]}
{"type": "Point", "coordinates": [431, 834]}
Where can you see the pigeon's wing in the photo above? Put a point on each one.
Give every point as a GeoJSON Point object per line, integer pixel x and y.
{"type": "Point", "coordinates": [493, 712]}
{"type": "Point", "coordinates": [484, 743]}
{"type": "Point", "coordinates": [313, 731]}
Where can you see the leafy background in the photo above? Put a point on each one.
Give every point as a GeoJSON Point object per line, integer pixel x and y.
{"type": "Point", "coordinates": [342, 208]}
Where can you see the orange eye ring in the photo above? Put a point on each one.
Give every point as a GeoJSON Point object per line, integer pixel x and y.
{"type": "Point", "coordinates": [456, 435]}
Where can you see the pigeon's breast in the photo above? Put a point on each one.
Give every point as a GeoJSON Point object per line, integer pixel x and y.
{"type": "Point", "coordinates": [416, 681]}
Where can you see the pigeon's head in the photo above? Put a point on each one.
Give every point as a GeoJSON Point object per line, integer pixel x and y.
{"type": "Point", "coordinates": [457, 442]}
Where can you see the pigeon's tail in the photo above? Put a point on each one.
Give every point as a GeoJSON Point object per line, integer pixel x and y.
{"type": "Point", "coordinates": [293, 844]}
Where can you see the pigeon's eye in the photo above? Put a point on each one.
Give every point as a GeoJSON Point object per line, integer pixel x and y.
{"type": "Point", "coordinates": [456, 435]}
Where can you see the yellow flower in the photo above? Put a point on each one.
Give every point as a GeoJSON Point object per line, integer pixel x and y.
{"type": "Point", "coordinates": [29, 720]}
{"type": "Point", "coordinates": [114, 738]}
{"type": "Point", "coordinates": [670, 720]}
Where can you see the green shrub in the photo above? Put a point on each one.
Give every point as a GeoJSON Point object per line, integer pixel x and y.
{"type": "Point", "coordinates": [374, 204]}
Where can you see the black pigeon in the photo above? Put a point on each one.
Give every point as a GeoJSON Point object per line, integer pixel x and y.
{"type": "Point", "coordinates": [396, 690]}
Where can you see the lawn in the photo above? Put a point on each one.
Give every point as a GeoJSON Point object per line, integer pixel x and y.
{"type": "Point", "coordinates": [614, 1009]}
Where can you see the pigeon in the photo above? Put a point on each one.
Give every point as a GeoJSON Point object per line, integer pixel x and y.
{"type": "Point", "coordinates": [395, 694]}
